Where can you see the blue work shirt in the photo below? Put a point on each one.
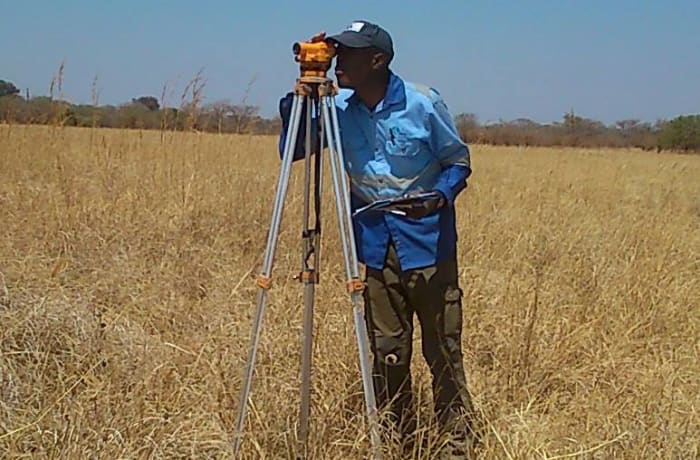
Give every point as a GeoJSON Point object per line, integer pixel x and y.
{"type": "Point", "coordinates": [407, 144]}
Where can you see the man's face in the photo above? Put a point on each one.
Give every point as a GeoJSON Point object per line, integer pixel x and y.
{"type": "Point", "coordinates": [354, 66]}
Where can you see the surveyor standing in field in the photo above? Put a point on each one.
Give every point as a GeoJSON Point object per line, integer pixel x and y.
{"type": "Point", "coordinates": [399, 139]}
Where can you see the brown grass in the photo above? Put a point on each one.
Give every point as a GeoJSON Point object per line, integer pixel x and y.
{"type": "Point", "coordinates": [126, 294]}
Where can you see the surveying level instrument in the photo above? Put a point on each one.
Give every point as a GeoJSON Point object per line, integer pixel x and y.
{"type": "Point", "coordinates": [315, 92]}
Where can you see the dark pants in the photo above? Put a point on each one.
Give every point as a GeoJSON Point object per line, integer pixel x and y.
{"type": "Point", "coordinates": [391, 299]}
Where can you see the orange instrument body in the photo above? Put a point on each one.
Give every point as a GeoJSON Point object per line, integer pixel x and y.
{"type": "Point", "coordinates": [314, 58]}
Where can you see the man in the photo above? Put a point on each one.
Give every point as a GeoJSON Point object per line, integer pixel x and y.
{"type": "Point", "coordinates": [399, 139]}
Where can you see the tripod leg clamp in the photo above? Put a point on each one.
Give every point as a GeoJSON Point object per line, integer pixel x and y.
{"type": "Point", "coordinates": [264, 282]}
{"type": "Point", "coordinates": [355, 285]}
{"type": "Point", "coordinates": [308, 277]}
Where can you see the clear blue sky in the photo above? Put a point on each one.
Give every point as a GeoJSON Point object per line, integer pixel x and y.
{"type": "Point", "coordinates": [607, 60]}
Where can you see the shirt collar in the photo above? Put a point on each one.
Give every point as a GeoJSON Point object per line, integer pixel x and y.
{"type": "Point", "coordinates": [395, 94]}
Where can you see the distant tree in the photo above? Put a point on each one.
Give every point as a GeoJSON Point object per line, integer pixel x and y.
{"type": "Point", "coordinates": [12, 109]}
{"type": "Point", "coordinates": [635, 133]}
{"type": "Point", "coordinates": [627, 126]}
{"type": "Point", "coordinates": [579, 125]}
{"type": "Point", "coordinates": [243, 116]}
{"type": "Point", "coordinates": [468, 119]}
{"type": "Point", "coordinates": [218, 114]}
{"type": "Point", "coordinates": [40, 110]}
{"type": "Point", "coordinates": [681, 133]}
{"type": "Point", "coordinates": [65, 114]}
{"type": "Point", "coordinates": [133, 116]}
{"type": "Point", "coordinates": [584, 131]}
{"type": "Point", "coordinates": [524, 123]}
{"type": "Point", "coordinates": [150, 102]}
{"type": "Point", "coordinates": [467, 125]}
{"type": "Point", "coordinates": [8, 88]}
{"type": "Point", "coordinates": [87, 115]}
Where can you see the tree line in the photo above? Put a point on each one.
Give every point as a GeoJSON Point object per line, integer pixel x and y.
{"type": "Point", "coordinates": [146, 112]}
{"type": "Point", "coordinates": [681, 133]}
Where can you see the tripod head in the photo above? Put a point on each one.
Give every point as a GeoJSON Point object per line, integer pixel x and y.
{"type": "Point", "coordinates": [314, 58]}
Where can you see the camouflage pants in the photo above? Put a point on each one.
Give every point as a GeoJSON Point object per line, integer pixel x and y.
{"type": "Point", "coordinates": [391, 299]}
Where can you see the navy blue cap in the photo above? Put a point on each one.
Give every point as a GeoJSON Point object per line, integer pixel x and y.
{"type": "Point", "coordinates": [363, 34]}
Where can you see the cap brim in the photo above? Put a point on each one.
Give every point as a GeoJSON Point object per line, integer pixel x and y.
{"type": "Point", "coordinates": [351, 39]}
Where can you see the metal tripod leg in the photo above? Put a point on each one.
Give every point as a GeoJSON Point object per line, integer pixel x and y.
{"type": "Point", "coordinates": [311, 236]}
{"type": "Point", "coordinates": [264, 280]}
{"type": "Point", "coordinates": [355, 285]}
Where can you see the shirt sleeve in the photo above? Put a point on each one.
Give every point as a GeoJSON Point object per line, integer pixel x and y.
{"type": "Point", "coordinates": [448, 147]}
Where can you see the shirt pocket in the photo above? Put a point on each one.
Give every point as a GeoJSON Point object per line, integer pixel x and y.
{"type": "Point", "coordinates": [401, 144]}
{"type": "Point", "coordinates": [405, 155]}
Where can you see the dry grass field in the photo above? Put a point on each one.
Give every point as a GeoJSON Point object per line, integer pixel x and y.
{"type": "Point", "coordinates": [127, 267]}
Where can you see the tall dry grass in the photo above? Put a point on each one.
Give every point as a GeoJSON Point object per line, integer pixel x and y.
{"type": "Point", "coordinates": [127, 263]}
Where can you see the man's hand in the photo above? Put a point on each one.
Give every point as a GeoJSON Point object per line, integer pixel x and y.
{"type": "Point", "coordinates": [319, 37]}
{"type": "Point", "coordinates": [422, 208]}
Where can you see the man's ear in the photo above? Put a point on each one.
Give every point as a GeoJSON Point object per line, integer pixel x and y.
{"type": "Point", "coordinates": [380, 61]}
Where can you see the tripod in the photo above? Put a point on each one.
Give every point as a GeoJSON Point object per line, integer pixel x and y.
{"type": "Point", "coordinates": [315, 92]}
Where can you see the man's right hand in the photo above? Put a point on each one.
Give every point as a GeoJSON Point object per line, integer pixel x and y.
{"type": "Point", "coordinates": [422, 208]}
{"type": "Point", "coordinates": [319, 37]}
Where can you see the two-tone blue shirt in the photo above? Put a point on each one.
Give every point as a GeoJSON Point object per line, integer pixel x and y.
{"type": "Point", "coordinates": [407, 144]}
